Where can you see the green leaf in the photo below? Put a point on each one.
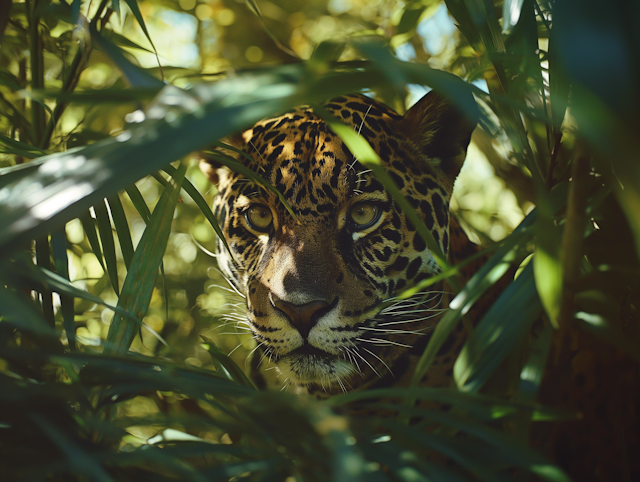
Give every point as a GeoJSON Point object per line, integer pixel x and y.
{"type": "Point", "coordinates": [138, 202]}
{"type": "Point", "coordinates": [89, 226]}
{"type": "Point", "coordinates": [21, 148]}
{"type": "Point", "coordinates": [122, 228]}
{"type": "Point", "coordinates": [500, 331]}
{"type": "Point", "coordinates": [548, 267]}
{"type": "Point", "coordinates": [122, 41]}
{"type": "Point", "coordinates": [108, 245]}
{"type": "Point", "coordinates": [19, 310]}
{"type": "Point", "coordinates": [135, 9]}
{"type": "Point", "coordinates": [410, 18]}
{"type": "Point", "coordinates": [59, 284]}
{"type": "Point", "coordinates": [225, 364]}
{"type": "Point", "coordinates": [136, 76]}
{"type": "Point", "coordinates": [510, 14]}
{"type": "Point", "coordinates": [59, 248]}
{"type": "Point", "coordinates": [140, 281]}
{"type": "Point", "coordinates": [191, 190]}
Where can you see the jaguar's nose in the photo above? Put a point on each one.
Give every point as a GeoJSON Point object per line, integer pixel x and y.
{"type": "Point", "coordinates": [302, 317]}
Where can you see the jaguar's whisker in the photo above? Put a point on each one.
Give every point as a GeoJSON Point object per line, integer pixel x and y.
{"type": "Point", "coordinates": [413, 320]}
{"type": "Point", "coordinates": [378, 341]}
{"type": "Point", "coordinates": [401, 332]}
{"type": "Point", "coordinates": [339, 380]}
{"type": "Point", "coordinates": [246, 360]}
{"type": "Point", "coordinates": [353, 360]}
{"type": "Point", "coordinates": [381, 360]}
{"type": "Point", "coordinates": [369, 364]}
{"type": "Point", "coordinates": [363, 118]}
{"type": "Point", "coordinates": [240, 344]}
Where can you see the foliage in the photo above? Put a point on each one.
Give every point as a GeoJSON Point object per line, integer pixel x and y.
{"type": "Point", "coordinates": [99, 382]}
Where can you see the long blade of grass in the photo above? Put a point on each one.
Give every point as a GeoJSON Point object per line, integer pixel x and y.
{"type": "Point", "coordinates": [191, 190]}
{"type": "Point", "coordinates": [61, 261]}
{"type": "Point", "coordinates": [138, 202]}
{"type": "Point", "coordinates": [500, 330]}
{"type": "Point", "coordinates": [136, 76]}
{"type": "Point", "coordinates": [531, 376]}
{"type": "Point", "coordinates": [43, 259]}
{"type": "Point", "coordinates": [89, 226]}
{"type": "Point", "coordinates": [482, 406]}
{"type": "Point", "coordinates": [29, 274]}
{"type": "Point", "coordinates": [105, 231]}
{"type": "Point", "coordinates": [140, 281]}
{"type": "Point", "coordinates": [22, 148]}
{"type": "Point", "coordinates": [122, 228]}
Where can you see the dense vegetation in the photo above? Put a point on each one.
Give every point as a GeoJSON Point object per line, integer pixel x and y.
{"type": "Point", "coordinates": [113, 319]}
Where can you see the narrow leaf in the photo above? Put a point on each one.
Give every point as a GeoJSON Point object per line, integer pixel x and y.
{"type": "Point", "coordinates": [138, 202]}
{"type": "Point", "coordinates": [108, 245]}
{"type": "Point", "coordinates": [225, 364]}
{"type": "Point", "coordinates": [136, 76]}
{"type": "Point", "coordinates": [122, 228]}
{"type": "Point", "coordinates": [89, 226]}
{"type": "Point", "coordinates": [501, 329]}
{"type": "Point", "coordinates": [59, 247]}
{"type": "Point", "coordinates": [140, 281]}
{"type": "Point", "coordinates": [191, 190]}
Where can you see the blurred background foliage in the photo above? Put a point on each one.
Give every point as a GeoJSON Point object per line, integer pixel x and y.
{"type": "Point", "coordinates": [77, 74]}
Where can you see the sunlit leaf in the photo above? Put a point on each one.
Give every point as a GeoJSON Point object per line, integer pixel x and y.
{"type": "Point", "coordinates": [141, 277]}
{"type": "Point", "coordinates": [500, 331]}
{"type": "Point", "coordinates": [103, 223]}
{"type": "Point", "coordinates": [122, 228]}
{"type": "Point", "coordinates": [61, 261]}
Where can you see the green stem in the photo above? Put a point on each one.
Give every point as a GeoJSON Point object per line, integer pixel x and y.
{"type": "Point", "coordinates": [37, 71]}
{"type": "Point", "coordinates": [71, 80]}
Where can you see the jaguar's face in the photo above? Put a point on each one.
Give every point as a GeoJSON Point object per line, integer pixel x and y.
{"type": "Point", "coordinates": [314, 284]}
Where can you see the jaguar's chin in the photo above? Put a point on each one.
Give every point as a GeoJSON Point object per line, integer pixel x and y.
{"type": "Point", "coordinates": [307, 365]}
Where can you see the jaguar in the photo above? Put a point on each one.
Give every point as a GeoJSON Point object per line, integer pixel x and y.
{"type": "Point", "coordinates": [321, 273]}
{"type": "Point", "coordinates": [320, 281]}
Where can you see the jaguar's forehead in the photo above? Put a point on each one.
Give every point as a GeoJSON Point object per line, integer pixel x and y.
{"type": "Point", "coordinates": [310, 165]}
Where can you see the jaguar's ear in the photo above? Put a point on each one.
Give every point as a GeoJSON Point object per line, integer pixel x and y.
{"type": "Point", "coordinates": [210, 167]}
{"type": "Point", "coordinates": [440, 131]}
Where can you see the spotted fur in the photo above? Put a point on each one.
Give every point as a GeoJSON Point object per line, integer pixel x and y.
{"type": "Point", "coordinates": [316, 285]}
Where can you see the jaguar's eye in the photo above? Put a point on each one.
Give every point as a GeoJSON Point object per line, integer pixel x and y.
{"type": "Point", "coordinates": [259, 217]}
{"type": "Point", "coordinates": [364, 215]}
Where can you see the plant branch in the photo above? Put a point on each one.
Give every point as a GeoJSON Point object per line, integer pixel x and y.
{"type": "Point", "coordinates": [572, 242]}
{"type": "Point", "coordinates": [71, 80]}
{"type": "Point", "coordinates": [37, 71]}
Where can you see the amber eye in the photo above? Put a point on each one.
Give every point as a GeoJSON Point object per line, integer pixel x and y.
{"type": "Point", "coordinates": [259, 217]}
{"type": "Point", "coordinates": [364, 215]}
